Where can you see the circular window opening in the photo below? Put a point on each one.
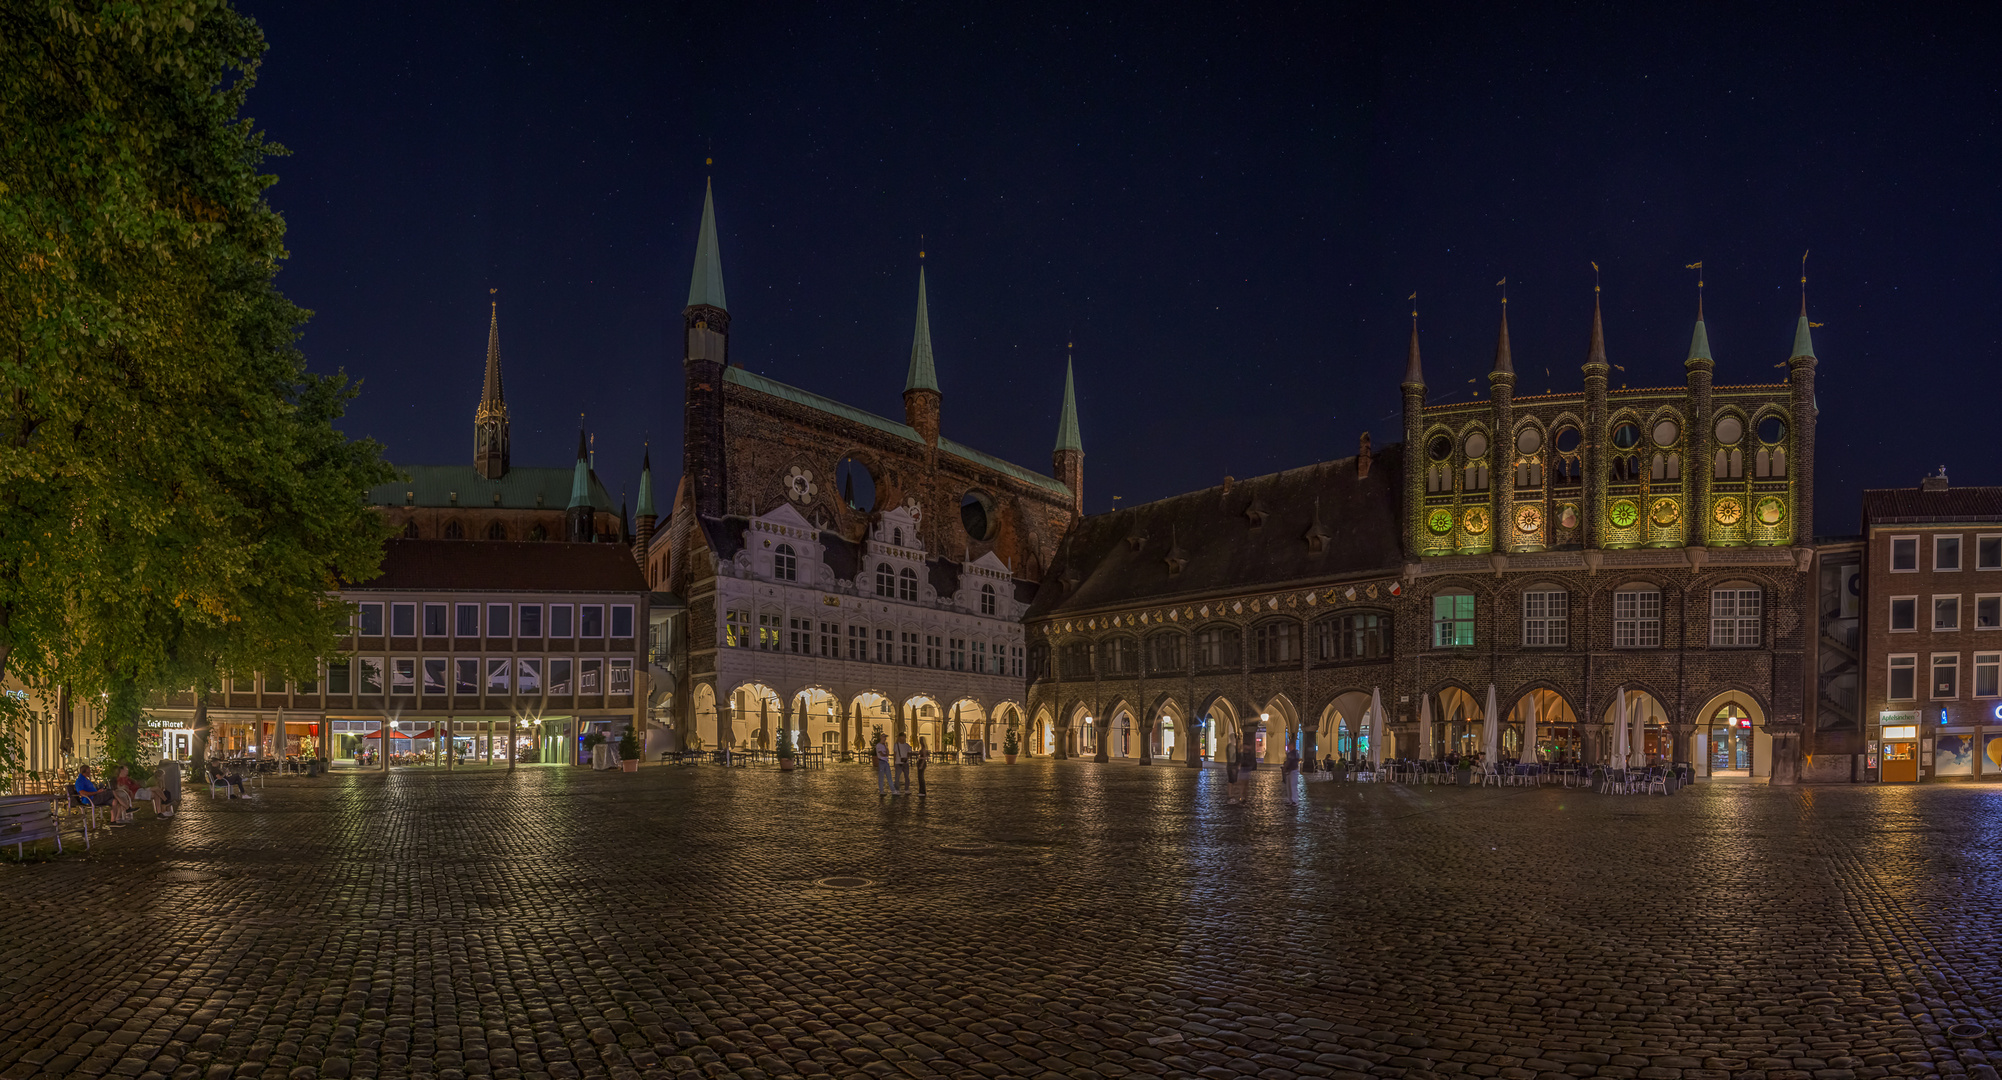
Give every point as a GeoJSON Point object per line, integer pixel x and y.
{"type": "Point", "coordinates": [1729, 430]}
{"type": "Point", "coordinates": [977, 516]}
{"type": "Point", "coordinates": [1529, 441]}
{"type": "Point", "coordinates": [1568, 440]}
{"type": "Point", "coordinates": [857, 484]}
{"type": "Point", "coordinates": [1627, 436]}
{"type": "Point", "coordinates": [1440, 448]}
{"type": "Point", "coordinates": [1477, 445]}
{"type": "Point", "coordinates": [1666, 432]}
{"type": "Point", "coordinates": [1772, 429]}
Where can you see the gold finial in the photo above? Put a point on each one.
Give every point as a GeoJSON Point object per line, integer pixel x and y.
{"type": "Point", "coordinates": [1698, 267]}
{"type": "Point", "coordinates": [921, 247]}
{"type": "Point", "coordinates": [1595, 276]}
{"type": "Point", "coordinates": [1503, 283]}
{"type": "Point", "coordinates": [709, 161]}
{"type": "Point", "coordinates": [1414, 310]}
{"type": "Point", "coordinates": [1803, 281]}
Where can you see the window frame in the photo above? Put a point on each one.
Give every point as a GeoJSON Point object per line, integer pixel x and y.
{"type": "Point", "coordinates": [612, 627]}
{"type": "Point", "coordinates": [460, 612]}
{"type": "Point", "coordinates": [528, 676]}
{"type": "Point", "coordinates": [461, 685]}
{"type": "Point", "coordinates": [562, 621]}
{"type": "Point", "coordinates": [521, 620]}
{"type": "Point", "coordinates": [1947, 598]}
{"type": "Point", "coordinates": [568, 687]}
{"type": "Point", "coordinates": [442, 666]}
{"type": "Point", "coordinates": [1991, 664]}
{"type": "Point", "coordinates": [618, 670]}
{"type": "Point", "coordinates": [406, 608]}
{"type": "Point", "coordinates": [369, 669]}
{"type": "Point", "coordinates": [988, 602]}
{"type": "Point", "coordinates": [1907, 663]}
{"type": "Point", "coordinates": [506, 623]}
{"type": "Point", "coordinates": [1891, 614]}
{"type": "Point", "coordinates": [1892, 561]}
{"type": "Point", "coordinates": [502, 685]}
{"type": "Point", "coordinates": [1739, 621]}
{"type": "Point", "coordinates": [1982, 540]}
{"type": "Point", "coordinates": [362, 611]}
{"type": "Point", "coordinates": [886, 581]}
{"type": "Point", "coordinates": [403, 673]}
{"type": "Point", "coordinates": [1959, 561]}
{"type": "Point", "coordinates": [907, 585]}
{"type": "Point", "coordinates": [1272, 639]}
{"type": "Point", "coordinates": [1441, 637]}
{"type": "Point", "coordinates": [1150, 655]}
{"type": "Point", "coordinates": [1644, 631]}
{"type": "Point", "coordinates": [785, 563]}
{"type": "Point", "coordinates": [1944, 661]}
{"type": "Point", "coordinates": [444, 621]}
{"type": "Point", "coordinates": [1994, 601]}
{"type": "Point", "coordinates": [341, 670]}
{"type": "Point", "coordinates": [1549, 627]}
{"type": "Point", "coordinates": [585, 615]}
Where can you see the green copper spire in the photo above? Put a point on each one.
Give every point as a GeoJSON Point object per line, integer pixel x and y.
{"type": "Point", "coordinates": [646, 484]}
{"type": "Point", "coordinates": [923, 375]}
{"type": "Point", "coordinates": [1699, 343]}
{"type": "Point", "coordinates": [1067, 436]}
{"type": "Point", "coordinates": [1803, 340]}
{"type": "Point", "coordinates": [706, 287]}
{"type": "Point", "coordinates": [580, 480]}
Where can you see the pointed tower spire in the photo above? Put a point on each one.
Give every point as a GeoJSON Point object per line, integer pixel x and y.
{"type": "Point", "coordinates": [1595, 353]}
{"type": "Point", "coordinates": [1504, 360]}
{"type": "Point", "coordinates": [705, 288]}
{"type": "Point", "coordinates": [490, 431]}
{"type": "Point", "coordinates": [645, 509]}
{"type": "Point", "coordinates": [923, 375]}
{"type": "Point", "coordinates": [1414, 372]}
{"type": "Point", "coordinates": [645, 519]}
{"type": "Point", "coordinates": [580, 477]}
{"type": "Point", "coordinates": [1067, 433]}
{"type": "Point", "coordinates": [1699, 342]}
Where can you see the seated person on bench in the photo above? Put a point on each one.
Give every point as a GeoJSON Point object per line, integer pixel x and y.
{"type": "Point", "coordinates": [87, 791]}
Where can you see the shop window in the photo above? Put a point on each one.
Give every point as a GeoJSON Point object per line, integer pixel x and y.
{"type": "Point", "coordinates": [1734, 617]}
{"type": "Point", "coordinates": [785, 564]}
{"type": "Point", "coordinates": [1946, 612]}
{"type": "Point", "coordinates": [369, 619]}
{"type": "Point", "coordinates": [1945, 676]}
{"type": "Point", "coordinates": [529, 620]}
{"type": "Point", "coordinates": [1453, 620]}
{"type": "Point", "coordinates": [1987, 612]}
{"type": "Point", "coordinates": [1637, 619]}
{"type": "Point", "coordinates": [907, 584]}
{"type": "Point", "coordinates": [1988, 553]}
{"type": "Point", "coordinates": [1904, 614]}
{"type": "Point", "coordinates": [1987, 674]}
{"type": "Point", "coordinates": [403, 620]}
{"type": "Point", "coordinates": [1903, 678]}
{"type": "Point", "coordinates": [1904, 554]}
{"type": "Point", "coordinates": [434, 620]}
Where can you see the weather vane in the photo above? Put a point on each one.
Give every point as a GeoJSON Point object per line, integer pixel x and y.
{"type": "Point", "coordinates": [1698, 267]}
{"type": "Point", "coordinates": [1414, 310]}
{"type": "Point", "coordinates": [1503, 283]}
{"type": "Point", "coordinates": [1595, 276]}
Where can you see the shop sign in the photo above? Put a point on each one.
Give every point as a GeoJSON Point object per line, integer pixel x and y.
{"type": "Point", "coordinates": [1909, 731]}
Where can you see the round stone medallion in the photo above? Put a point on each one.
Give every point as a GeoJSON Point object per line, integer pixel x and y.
{"type": "Point", "coordinates": [1623, 513]}
{"type": "Point", "coordinates": [1729, 511]}
{"type": "Point", "coordinates": [1528, 519]}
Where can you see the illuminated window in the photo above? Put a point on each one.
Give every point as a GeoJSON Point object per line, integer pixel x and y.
{"type": "Point", "coordinates": [1453, 620]}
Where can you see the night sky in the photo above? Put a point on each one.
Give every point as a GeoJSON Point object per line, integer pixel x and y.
{"type": "Point", "coordinates": [1224, 211]}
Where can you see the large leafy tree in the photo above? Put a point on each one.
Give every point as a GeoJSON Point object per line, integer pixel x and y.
{"type": "Point", "coordinates": [174, 496]}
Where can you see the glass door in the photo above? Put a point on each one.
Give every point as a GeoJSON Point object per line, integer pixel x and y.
{"type": "Point", "coordinates": [1731, 741]}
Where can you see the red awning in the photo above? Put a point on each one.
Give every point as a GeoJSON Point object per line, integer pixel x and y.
{"type": "Point", "coordinates": [378, 735]}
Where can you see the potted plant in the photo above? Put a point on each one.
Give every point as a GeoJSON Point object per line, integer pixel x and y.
{"type": "Point", "coordinates": [785, 750]}
{"type": "Point", "coordinates": [1010, 746]}
{"type": "Point", "coordinates": [1465, 770]}
{"type": "Point", "coordinates": [629, 750]}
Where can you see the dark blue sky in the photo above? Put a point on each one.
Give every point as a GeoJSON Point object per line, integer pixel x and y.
{"type": "Point", "coordinates": [1223, 208]}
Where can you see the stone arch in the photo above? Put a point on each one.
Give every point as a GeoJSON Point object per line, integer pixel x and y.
{"type": "Point", "coordinates": [924, 720]}
{"type": "Point", "coordinates": [1279, 720]}
{"type": "Point", "coordinates": [1712, 757]}
{"type": "Point", "coordinates": [1041, 737]}
{"type": "Point", "coordinates": [817, 720]}
{"type": "Point", "coordinates": [1658, 713]}
{"type": "Point", "coordinates": [1223, 725]}
{"type": "Point", "coordinates": [1558, 730]}
{"type": "Point", "coordinates": [1082, 725]}
{"type": "Point", "coordinates": [868, 710]}
{"type": "Point", "coordinates": [965, 721]}
{"type": "Point", "coordinates": [1107, 742]}
{"type": "Point", "coordinates": [753, 710]}
{"type": "Point", "coordinates": [703, 705]}
{"type": "Point", "coordinates": [1340, 724]}
{"type": "Point", "coordinates": [1457, 716]}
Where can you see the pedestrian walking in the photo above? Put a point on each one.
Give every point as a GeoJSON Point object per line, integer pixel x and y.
{"type": "Point", "coordinates": [1230, 781]}
{"type": "Point", "coordinates": [1247, 763]}
{"type": "Point", "coordinates": [924, 759]}
{"type": "Point", "coordinates": [884, 784]}
{"type": "Point", "coordinates": [1288, 774]}
{"type": "Point", "coordinates": [903, 781]}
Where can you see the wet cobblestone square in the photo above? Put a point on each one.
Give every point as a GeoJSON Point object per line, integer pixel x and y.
{"type": "Point", "coordinates": [1041, 919]}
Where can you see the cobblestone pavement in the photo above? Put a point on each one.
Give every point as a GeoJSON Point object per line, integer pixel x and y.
{"type": "Point", "coordinates": [1031, 920]}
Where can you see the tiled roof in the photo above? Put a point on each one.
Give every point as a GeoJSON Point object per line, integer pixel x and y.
{"type": "Point", "coordinates": [1910, 504]}
{"type": "Point", "coordinates": [506, 566]}
{"type": "Point", "coordinates": [1223, 550]}
{"type": "Point", "coordinates": [434, 485]}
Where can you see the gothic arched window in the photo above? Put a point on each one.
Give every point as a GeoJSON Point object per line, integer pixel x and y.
{"type": "Point", "coordinates": [410, 529]}
{"type": "Point", "coordinates": [453, 531]}
{"type": "Point", "coordinates": [497, 531]}
{"type": "Point", "coordinates": [538, 534]}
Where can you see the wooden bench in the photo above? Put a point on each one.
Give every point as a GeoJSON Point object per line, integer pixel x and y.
{"type": "Point", "coordinates": [29, 819]}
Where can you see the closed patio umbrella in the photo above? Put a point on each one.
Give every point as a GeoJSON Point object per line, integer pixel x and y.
{"type": "Point", "coordinates": [1491, 731]}
{"type": "Point", "coordinates": [1425, 747]}
{"type": "Point", "coordinates": [1529, 728]}
{"type": "Point", "coordinates": [1622, 734]}
{"type": "Point", "coordinates": [1376, 726]}
{"type": "Point", "coordinates": [1640, 736]}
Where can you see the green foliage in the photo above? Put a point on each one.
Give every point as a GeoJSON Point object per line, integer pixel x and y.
{"type": "Point", "coordinates": [629, 743]}
{"type": "Point", "coordinates": [174, 497]}
{"type": "Point", "coordinates": [593, 740]}
{"type": "Point", "coordinates": [785, 743]}
{"type": "Point", "coordinates": [1010, 744]}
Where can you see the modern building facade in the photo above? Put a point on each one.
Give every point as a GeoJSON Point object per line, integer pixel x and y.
{"type": "Point", "coordinates": [1559, 551]}
{"type": "Point", "coordinates": [1931, 632]}
{"type": "Point", "coordinates": [844, 571]}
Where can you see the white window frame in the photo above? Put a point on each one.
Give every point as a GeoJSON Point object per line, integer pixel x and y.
{"type": "Point", "coordinates": [1737, 621]}
{"type": "Point", "coordinates": [403, 676]}
{"type": "Point", "coordinates": [459, 620]}
{"type": "Point", "coordinates": [602, 627]}
{"type": "Point", "coordinates": [1892, 561]}
{"type": "Point", "coordinates": [521, 622]}
{"type": "Point", "coordinates": [569, 668]}
{"type": "Point", "coordinates": [528, 676]}
{"type": "Point", "coordinates": [1997, 598]}
{"type": "Point", "coordinates": [506, 620]}
{"type": "Point", "coordinates": [347, 671]}
{"type": "Point", "coordinates": [444, 621]}
{"type": "Point", "coordinates": [1637, 619]}
{"type": "Point", "coordinates": [737, 630]}
{"type": "Point", "coordinates": [618, 672]}
{"type": "Point", "coordinates": [1978, 538]}
{"type": "Point", "coordinates": [461, 665]}
{"type": "Point", "coordinates": [1891, 615]}
{"type": "Point", "coordinates": [785, 563]}
{"type": "Point", "coordinates": [444, 669]}
{"type": "Point", "coordinates": [988, 602]}
{"type": "Point", "coordinates": [569, 619]}
{"type": "Point", "coordinates": [1959, 553]}
{"type": "Point", "coordinates": [361, 619]}
{"type": "Point", "coordinates": [1901, 662]}
{"type": "Point", "coordinates": [1990, 665]}
{"type": "Point", "coordinates": [1951, 662]}
{"type": "Point", "coordinates": [593, 668]}
{"type": "Point", "coordinates": [1937, 598]}
{"type": "Point", "coordinates": [1546, 618]}
{"type": "Point", "coordinates": [369, 669]}
{"type": "Point", "coordinates": [612, 625]}
{"type": "Point", "coordinates": [410, 607]}
{"type": "Point", "coordinates": [499, 668]}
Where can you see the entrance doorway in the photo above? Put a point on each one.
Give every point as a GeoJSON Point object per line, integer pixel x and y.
{"type": "Point", "coordinates": [1901, 754]}
{"type": "Point", "coordinates": [1731, 741]}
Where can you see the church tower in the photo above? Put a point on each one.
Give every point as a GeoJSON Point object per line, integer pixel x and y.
{"type": "Point", "coordinates": [490, 436]}
{"type": "Point", "coordinates": [1067, 459]}
{"type": "Point", "coordinates": [706, 352]}
{"type": "Point", "coordinates": [580, 522]}
{"type": "Point", "coordinates": [921, 396]}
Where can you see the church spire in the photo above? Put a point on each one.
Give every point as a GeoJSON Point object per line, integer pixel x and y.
{"type": "Point", "coordinates": [705, 287]}
{"type": "Point", "coordinates": [1067, 460]}
{"type": "Point", "coordinates": [1504, 360]}
{"type": "Point", "coordinates": [645, 509]}
{"type": "Point", "coordinates": [1596, 352]}
{"type": "Point", "coordinates": [1414, 372]}
{"type": "Point", "coordinates": [579, 518]}
{"type": "Point", "coordinates": [923, 375]}
{"type": "Point", "coordinates": [1067, 433]}
{"type": "Point", "coordinates": [490, 431]}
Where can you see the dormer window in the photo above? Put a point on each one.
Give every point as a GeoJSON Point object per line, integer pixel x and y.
{"type": "Point", "coordinates": [907, 584]}
{"type": "Point", "coordinates": [897, 537]}
{"type": "Point", "coordinates": [987, 599]}
{"type": "Point", "coordinates": [785, 564]}
{"type": "Point", "coordinates": [886, 580]}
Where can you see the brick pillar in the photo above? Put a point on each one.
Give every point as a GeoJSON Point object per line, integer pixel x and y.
{"type": "Point", "coordinates": [1698, 440]}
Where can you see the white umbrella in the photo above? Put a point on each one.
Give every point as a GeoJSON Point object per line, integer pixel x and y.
{"type": "Point", "coordinates": [1376, 726]}
{"type": "Point", "coordinates": [1425, 750]}
{"type": "Point", "coordinates": [1491, 730]}
{"type": "Point", "coordinates": [1640, 735]}
{"type": "Point", "coordinates": [1622, 735]}
{"type": "Point", "coordinates": [1529, 728]}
